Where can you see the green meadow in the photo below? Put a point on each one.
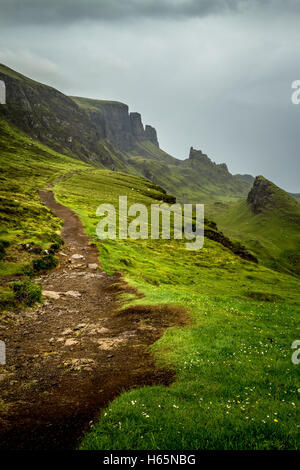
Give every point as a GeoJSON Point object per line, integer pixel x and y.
{"type": "Point", "coordinates": [235, 387]}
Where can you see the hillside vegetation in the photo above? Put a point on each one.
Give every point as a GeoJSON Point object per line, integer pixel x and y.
{"type": "Point", "coordinates": [236, 387]}
{"type": "Point", "coordinates": [267, 223]}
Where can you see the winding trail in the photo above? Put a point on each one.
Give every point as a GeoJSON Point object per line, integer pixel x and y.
{"type": "Point", "coordinates": [68, 357]}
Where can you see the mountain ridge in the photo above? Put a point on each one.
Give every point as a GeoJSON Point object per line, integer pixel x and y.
{"type": "Point", "coordinates": [105, 134]}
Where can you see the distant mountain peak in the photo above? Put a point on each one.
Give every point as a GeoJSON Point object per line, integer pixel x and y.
{"type": "Point", "coordinates": [266, 195]}
{"type": "Point", "coordinates": [198, 155]}
{"type": "Point", "coordinates": [194, 153]}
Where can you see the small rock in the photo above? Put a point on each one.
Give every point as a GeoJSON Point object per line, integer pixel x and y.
{"type": "Point", "coordinates": [127, 334]}
{"type": "Point", "coordinates": [67, 331]}
{"type": "Point", "coordinates": [71, 342]}
{"type": "Point", "coordinates": [62, 254]}
{"type": "Point", "coordinates": [73, 293]}
{"type": "Point", "coordinates": [50, 294]}
{"type": "Point", "coordinates": [76, 256]}
{"type": "Point", "coordinates": [103, 330]}
{"type": "Point", "coordinates": [93, 266]}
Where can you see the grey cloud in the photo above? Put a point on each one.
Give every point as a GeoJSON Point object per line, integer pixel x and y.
{"type": "Point", "coordinates": [69, 11]}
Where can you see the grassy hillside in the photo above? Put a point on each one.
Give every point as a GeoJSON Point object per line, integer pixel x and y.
{"type": "Point", "coordinates": [196, 179]}
{"type": "Point", "coordinates": [271, 231]}
{"type": "Point", "coordinates": [235, 387]}
{"type": "Point", "coordinates": [55, 119]}
{"type": "Point", "coordinates": [295, 196]}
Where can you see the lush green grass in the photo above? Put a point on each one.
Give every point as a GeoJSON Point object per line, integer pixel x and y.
{"type": "Point", "coordinates": [236, 387]}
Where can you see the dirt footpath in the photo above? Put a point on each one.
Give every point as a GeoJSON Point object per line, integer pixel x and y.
{"type": "Point", "coordinates": [68, 357]}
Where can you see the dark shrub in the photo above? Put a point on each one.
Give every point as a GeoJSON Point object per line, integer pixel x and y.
{"type": "Point", "coordinates": [27, 292]}
{"type": "Point", "coordinates": [3, 245]}
{"type": "Point", "coordinates": [56, 240]}
{"type": "Point", "coordinates": [45, 263]}
{"type": "Point", "coordinates": [28, 270]}
{"type": "Point", "coordinates": [36, 249]}
{"type": "Point", "coordinates": [263, 296]}
{"type": "Point", "coordinates": [54, 248]}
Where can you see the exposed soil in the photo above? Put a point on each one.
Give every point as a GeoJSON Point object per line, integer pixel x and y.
{"type": "Point", "coordinates": [68, 357]}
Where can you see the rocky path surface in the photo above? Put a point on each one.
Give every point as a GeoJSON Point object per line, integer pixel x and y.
{"type": "Point", "coordinates": [68, 357]}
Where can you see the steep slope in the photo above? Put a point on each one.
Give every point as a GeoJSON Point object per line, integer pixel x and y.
{"type": "Point", "coordinates": [295, 196]}
{"type": "Point", "coordinates": [119, 127]}
{"type": "Point", "coordinates": [53, 118]}
{"type": "Point", "coordinates": [268, 223]}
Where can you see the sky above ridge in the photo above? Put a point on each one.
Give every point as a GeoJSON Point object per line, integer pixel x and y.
{"type": "Point", "coordinates": [212, 74]}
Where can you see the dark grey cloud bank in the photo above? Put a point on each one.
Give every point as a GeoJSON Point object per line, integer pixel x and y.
{"type": "Point", "coordinates": [214, 74]}
{"type": "Point", "coordinates": [68, 11]}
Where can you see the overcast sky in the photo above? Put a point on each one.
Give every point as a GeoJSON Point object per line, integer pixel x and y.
{"type": "Point", "coordinates": [212, 74]}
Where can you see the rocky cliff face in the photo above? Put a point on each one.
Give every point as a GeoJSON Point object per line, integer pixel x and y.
{"type": "Point", "coordinates": [151, 135]}
{"type": "Point", "coordinates": [51, 117]}
{"type": "Point", "coordinates": [77, 127]}
{"type": "Point", "coordinates": [265, 195]}
{"type": "Point", "coordinates": [217, 172]}
{"type": "Point", "coordinates": [197, 156]}
{"type": "Point", "coordinates": [260, 194]}
{"type": "Point", "coordinates": [113, 120]}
